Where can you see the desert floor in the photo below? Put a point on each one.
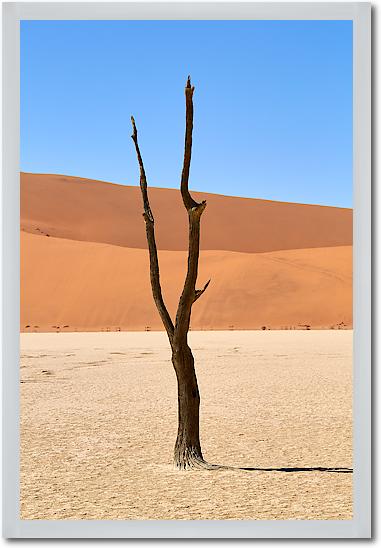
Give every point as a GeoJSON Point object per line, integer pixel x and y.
{"type": "Point", "coordinates": [98, 425]}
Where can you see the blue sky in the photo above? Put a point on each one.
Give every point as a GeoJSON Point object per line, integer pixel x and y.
{"type": "Point", "coordinates": [273, 104]}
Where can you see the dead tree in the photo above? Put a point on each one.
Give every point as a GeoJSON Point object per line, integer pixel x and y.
{"type": "Point", "coordinates": [187, 452]}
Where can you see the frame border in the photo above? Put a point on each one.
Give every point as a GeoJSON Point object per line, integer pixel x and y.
{"type": "Point", "coordinates": [360, 525]}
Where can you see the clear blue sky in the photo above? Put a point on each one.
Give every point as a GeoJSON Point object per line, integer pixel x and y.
{"type": "Point", "coordinates": [273, 104]}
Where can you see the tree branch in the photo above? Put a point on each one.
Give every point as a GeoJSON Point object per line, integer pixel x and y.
{"type": "Point", "coordinates": [199, 292]}
{"type": "Point", "coordinates": [189, 202]}
{"type": "Point", "coordinates": [150, 233]}
{"type": "Point", "coordinates": [195, 210]}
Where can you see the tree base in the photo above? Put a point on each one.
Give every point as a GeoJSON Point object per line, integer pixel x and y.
{"type": "Point", "coordinates": [191, 458]}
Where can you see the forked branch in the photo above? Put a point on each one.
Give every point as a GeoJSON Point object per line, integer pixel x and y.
{"type": "Point", "coordinates": [177, 333]}
{"type": "Point", "coordinates": [150, 232]}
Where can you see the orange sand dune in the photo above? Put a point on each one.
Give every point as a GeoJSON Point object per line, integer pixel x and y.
{"type": "Point", "coordinates": [82, 209]}
{"type": "Point", "coordinates": [93, 286]}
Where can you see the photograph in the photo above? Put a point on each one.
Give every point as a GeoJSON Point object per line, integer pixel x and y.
{"type": "Point", "coordinates": [186, 272]}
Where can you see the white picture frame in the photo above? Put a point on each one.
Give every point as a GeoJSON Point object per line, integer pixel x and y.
{"type": "Point", "coordinates": [360, 525]}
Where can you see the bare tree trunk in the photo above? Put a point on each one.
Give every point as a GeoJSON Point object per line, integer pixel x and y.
{"type": "Point", "coordinates": [187, 452]}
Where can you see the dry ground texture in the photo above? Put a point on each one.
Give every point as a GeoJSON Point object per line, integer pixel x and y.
{"type": "Point", "coordinates": [98, 425]}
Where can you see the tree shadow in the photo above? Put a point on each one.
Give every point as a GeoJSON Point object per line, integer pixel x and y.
{"type": "Point", "coordinates": [307, 469]}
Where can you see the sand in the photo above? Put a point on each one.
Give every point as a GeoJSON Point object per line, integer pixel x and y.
{"type": "Point", "coordinates": [84, 286]}
{"type": "Point", "coordinates": [84, 260]}
{"type": "Point", "coordinates": [98, 425]}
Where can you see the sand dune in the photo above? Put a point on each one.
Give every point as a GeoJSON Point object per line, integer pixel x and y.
{"type": "Point", "coordinates": [93, 286]}
{"type": "Point", "coordinates": [82, 209]}
{"type": "Point", "coordinates": [272, 264]}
